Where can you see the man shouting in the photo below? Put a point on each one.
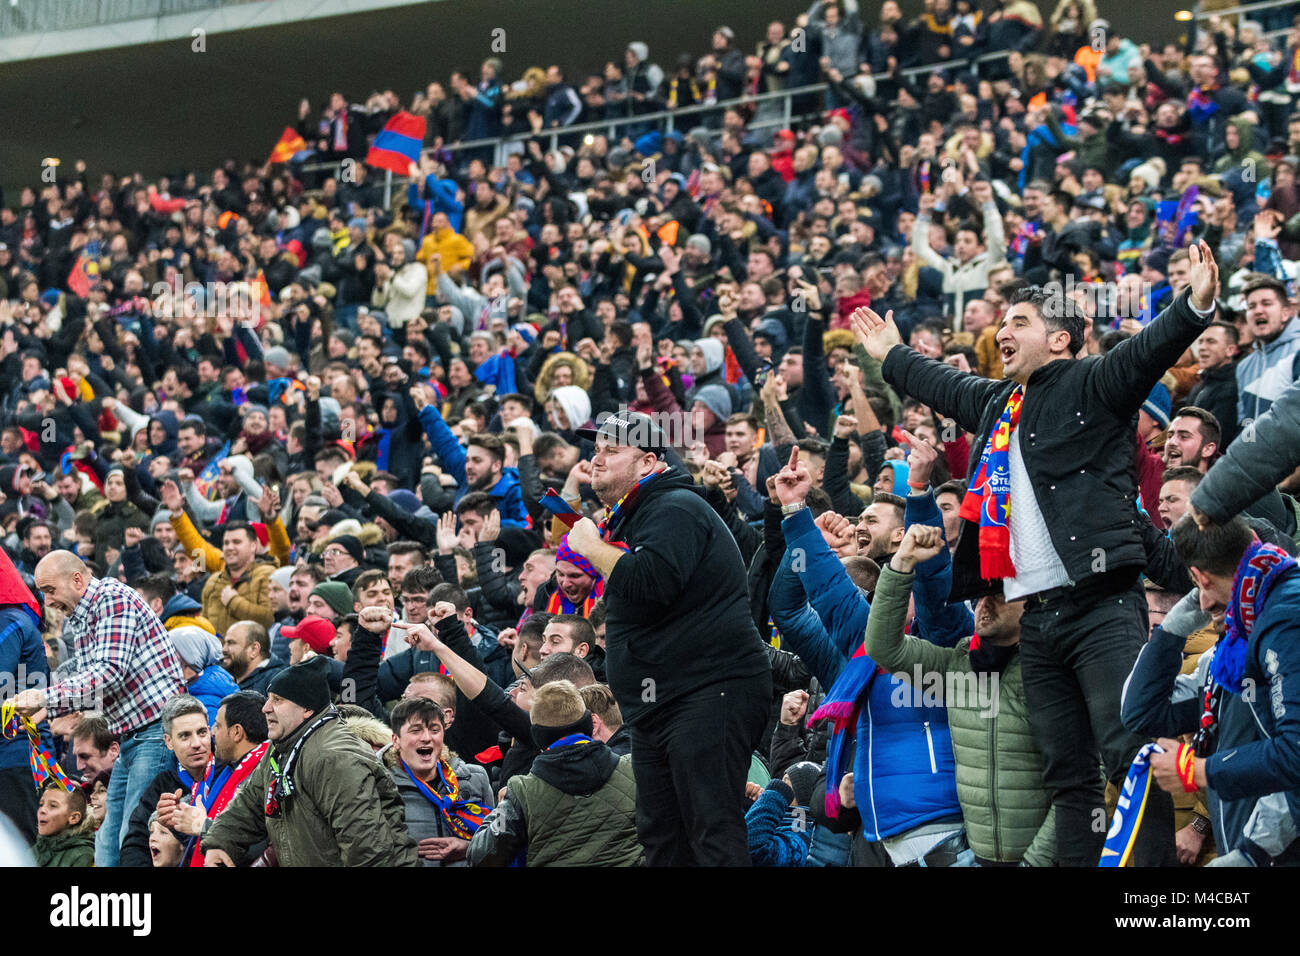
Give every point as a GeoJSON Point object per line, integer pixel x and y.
{"type": "Point", "coordinates": [683, 657]}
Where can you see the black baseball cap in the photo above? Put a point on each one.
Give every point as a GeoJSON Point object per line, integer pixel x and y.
{"type": "Point", "coordinates": [629, 428]}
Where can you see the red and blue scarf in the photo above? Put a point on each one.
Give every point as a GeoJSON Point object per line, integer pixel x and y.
{"type": "Point", "coordinates": [988, 499]}
{"type": "Point", "coordinates": [1201, 104]}
{"type": "Point", "coordinates": [842, 706]}
{"type": "Point", "coordinates": [1262, 566]}
{"type": "Point", "coordinates": [462, 816]}
{"type": "Point", "coordinates": [622, 508]}
{"type": "Point", "coordinates": [216, 793]}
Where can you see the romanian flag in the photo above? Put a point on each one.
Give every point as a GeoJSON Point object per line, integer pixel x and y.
{"type": "Point", "coordinates": [290, 143]}
{"type": "Point", "coordinates": [83, 275]}
{"type": "Point", "coordinates": [398, 144]}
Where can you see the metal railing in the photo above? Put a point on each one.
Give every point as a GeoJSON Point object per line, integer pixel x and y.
{"type": "Point", "coordinates": [1246, 8]}
{"type": "Point", "coordinates": [19, 17]}
{"type": "Point", "coordinates": [665, 121]}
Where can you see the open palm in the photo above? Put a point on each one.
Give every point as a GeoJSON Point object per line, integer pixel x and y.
{"type": "Point", "coordinates": [1205, 275]}
{"type": "Point", "coordinates": [875, 334]}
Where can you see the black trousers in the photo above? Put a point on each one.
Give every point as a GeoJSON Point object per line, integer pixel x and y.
{"type": "Point", "coordinates": [691, 758]}
{"type": "Point", "coordinates": [1075, 656]}
{"type": "Point", "coordinates": [19, 800]}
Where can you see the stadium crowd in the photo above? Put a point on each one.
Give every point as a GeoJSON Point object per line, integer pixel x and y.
{"type": "Point", "coordinates": [840, 494]}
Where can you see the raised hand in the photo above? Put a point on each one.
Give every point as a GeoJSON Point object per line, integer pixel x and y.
{"type": "Point", "coordinates": [1205, 275]}
{"type": "Point", "coordinates": [922, 542]}
{"type": "Point", "coordinates": [838, 532]}
{"type": "Point", "coordinates": [793, 706]}
{"type": "Point", "coordinates": [171, 497]}
{"type": "Point", "coordinates": [794, 480]}
{"type": "Point", "coordinates": [921, 459]}
{"type": "Point", "coordinates": [875, 334]}
{"type": "Point", "coordinates": [446, 533]}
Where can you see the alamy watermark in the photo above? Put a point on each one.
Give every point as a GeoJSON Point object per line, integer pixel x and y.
{"type": "Point", "coordinates": [964, 690]}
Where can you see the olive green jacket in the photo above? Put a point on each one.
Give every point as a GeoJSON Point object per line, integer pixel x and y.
{"type": "Point", "coordinates": [999, 767]}
{"type": "Point", "coordinates": [345, 809]}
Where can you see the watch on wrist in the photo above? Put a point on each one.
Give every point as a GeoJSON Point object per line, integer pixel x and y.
{"type": "Point", "coordinates": [1201, 825]}
{"type": "Point", "coordinates": [794, 506]}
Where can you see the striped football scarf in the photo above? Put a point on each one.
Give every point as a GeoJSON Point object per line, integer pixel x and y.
{"type": "Point", "coordinates": [44, 766]}
{"type": "Point", "coordinates": [462, 816]}
{"type": "Point", "coordinates": [1130, 809]}
{"type": "Point", "coordinates": [988, 500]}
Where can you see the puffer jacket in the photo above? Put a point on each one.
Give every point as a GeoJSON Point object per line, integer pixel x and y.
{"type": "Point", "coordinates": [1251, 469]}
{"type": "Point", "coordinates": [903, 767]}
{"type": "Point", "coordinates": [577, 807]}
{"type": "Point", "coordinates": [1266, 372]}
{"type": "Point", "coordinates": [252, 603]}
{"type": "Point", "coordinates": [424, 820]}
{"type": "Point", "coordinates": [999, 768]}
{"type": "Point", "coordinates": [75, 846]}
{"type": "Point", "coordinates": [345, 809]}
{"type": "Point", "coordinates": [211, 687]}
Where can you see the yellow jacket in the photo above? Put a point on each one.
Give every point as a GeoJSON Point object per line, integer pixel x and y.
{"type": "Point", "coordinates": [186, 620]}
{"type": "Point", "coordinates": [457, 253]}
{"type": "Point", "coordinates": [277, 542]}
{"type": "Point", "coordinates": [251, 603]}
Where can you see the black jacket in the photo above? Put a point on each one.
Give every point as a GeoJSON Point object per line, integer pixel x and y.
{"type": "Point", "coordinates": [135, 845]}
{"type": "Point", "coordinates": [1216, 392]}
{"type": "Point", "coordinates": [1076, 432]}
{"type": "Point", "coordinates": [677, 608]}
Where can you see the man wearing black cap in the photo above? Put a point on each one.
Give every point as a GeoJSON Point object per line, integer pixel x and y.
{"type": "Point", "coordinates": [320, 797]}
{"type": "Point", "coordinates": [683, 657]}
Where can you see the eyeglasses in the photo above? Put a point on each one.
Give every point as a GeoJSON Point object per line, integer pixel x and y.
{"type": "Point", "coordinates": [335, 552]}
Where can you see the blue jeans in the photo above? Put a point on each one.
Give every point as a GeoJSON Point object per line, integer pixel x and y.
{"type": "Point", "coordinates": [142, 757]}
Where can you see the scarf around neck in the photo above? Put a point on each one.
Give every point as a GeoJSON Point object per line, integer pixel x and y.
{"type": "Point", "coordinates": [462, 816]}
{"type": "Point", "coordinates": [1261, 567]}
{"type": "Point", "coordinates": [615, 516]}
{"type": "Point", "coordinates": [282, 784]}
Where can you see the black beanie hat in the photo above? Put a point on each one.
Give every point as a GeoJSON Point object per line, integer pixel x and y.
{"type": "Point", "coordinates": [545, 736]}
{"type": "Point", "coordinates": [803, 777]}
{"type": "Point", "coordinates": [305, 684]}
{"type": "Point", "coordinates": [352, 545]}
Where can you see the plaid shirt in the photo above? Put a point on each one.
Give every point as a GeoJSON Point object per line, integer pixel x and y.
{"type": "Point", "coordinates": [123, 656]}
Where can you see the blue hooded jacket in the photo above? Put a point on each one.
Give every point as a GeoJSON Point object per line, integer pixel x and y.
{"type": "Point", "coordinates": [510, 499]}
{"type": "Point", "coordinates": [22, 658]}
{"type": "Point", "coordinates": [211, 687]}
{"type": "Point", "coordinates": [442, 193]}
{"type": "Point", "coordinates": [904, 771]}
